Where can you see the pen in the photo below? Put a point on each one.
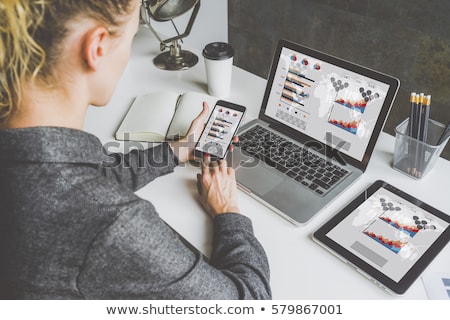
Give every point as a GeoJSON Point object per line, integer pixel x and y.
{"type": "Point", "coordinates": [445, 134]}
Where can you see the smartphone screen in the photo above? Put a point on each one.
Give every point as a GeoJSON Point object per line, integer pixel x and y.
{"type": "Point", "coordinates": [220, 129]}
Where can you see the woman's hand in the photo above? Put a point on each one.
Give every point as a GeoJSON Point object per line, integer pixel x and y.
{"type": "Point", "coordinates": [217, 187]}
{"type": "Point", "coordinates": [184, 148]}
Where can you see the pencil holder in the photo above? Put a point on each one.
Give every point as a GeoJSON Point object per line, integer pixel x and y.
{"type": "Point", "coordinates": [414, 157]}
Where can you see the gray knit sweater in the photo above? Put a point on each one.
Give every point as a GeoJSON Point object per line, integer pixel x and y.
{"type": "Point", "coordinates": [71, 227]}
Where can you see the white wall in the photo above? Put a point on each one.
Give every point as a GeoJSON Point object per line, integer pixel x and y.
{"type": "Point", "coordinates": [210, 25]}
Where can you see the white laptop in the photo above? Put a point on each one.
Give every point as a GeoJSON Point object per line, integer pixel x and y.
{"type": "Point", "coordinates": [318, 124]}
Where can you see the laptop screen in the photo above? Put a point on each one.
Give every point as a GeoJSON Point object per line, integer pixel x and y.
{"type": "Point", "coordinates": [335, 102]}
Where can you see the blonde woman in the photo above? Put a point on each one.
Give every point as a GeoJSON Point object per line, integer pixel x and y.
{"type": "Point", "coordinates": [71, 228]}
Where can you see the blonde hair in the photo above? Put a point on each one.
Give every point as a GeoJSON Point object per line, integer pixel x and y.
{"type": "Point", "coordinates": [31, 32]}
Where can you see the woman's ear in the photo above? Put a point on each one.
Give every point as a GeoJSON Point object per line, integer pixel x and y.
{"type": "Point", "coordinates": [95, 47]}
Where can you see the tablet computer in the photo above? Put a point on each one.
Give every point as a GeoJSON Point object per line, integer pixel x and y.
{"type": "Point", "coordinates": [387, 235]}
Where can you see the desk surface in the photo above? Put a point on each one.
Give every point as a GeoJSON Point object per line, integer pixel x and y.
{"type": "Point", "coordinates": [300, 269]}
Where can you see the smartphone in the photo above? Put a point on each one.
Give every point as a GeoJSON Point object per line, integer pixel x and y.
{"type": "Point", "coordinates": [220, 129]}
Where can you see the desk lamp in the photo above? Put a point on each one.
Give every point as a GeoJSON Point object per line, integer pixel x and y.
{"type": "Point", "coordinates": [167, 10]}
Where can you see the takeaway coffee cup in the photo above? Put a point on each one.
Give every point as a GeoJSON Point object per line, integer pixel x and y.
{"type": "Point", "coordinates": [219, 65]}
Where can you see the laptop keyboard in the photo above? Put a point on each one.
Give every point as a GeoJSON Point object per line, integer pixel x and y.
{"type": "Point", "coordinates": [310, 170]}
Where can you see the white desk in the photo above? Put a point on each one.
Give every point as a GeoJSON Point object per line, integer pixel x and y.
{"type": "Point", "coordinates": [300, 269]}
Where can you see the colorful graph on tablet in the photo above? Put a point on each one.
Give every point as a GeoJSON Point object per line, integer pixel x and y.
{"type": "Point", "coordinates": [393, 245]}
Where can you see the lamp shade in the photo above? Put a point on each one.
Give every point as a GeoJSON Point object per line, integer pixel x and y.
{"type": "Point", "coordinates": [164, 10]}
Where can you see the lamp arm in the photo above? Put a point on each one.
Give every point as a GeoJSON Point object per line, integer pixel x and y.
{"type": "Point", "coordinates": [188, 27]}
{"type": "Point", "coordinates": [154, 32]}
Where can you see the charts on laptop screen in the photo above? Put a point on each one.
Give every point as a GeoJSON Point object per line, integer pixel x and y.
{"type": "Point", "coordinates": [333, 105]}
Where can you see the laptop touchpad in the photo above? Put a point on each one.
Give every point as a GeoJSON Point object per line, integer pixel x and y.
{"type": "Point", "coordinates": [258, 179]}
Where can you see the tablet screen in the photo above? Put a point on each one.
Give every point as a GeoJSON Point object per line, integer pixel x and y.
{"type": "Point", "coordinates": [388, 232]}
{"type": "Point", "coordinates": [387, 235]}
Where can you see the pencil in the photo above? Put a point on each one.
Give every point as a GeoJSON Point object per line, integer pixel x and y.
{"type": "Point", "coordinates": [423, 130]}
{"type": "Point", "coordinates": [412, 113]}
{"type": "Point", "coordinates": [413, 133]}
{"type": "Point", "coordinates": [424, 115]}
{"type": "Point", "coordinates": [418, 116]}
{"type": "Point", "coordinates": [416, 134]}
{"type": "Point", "coordinates": [414, 116]}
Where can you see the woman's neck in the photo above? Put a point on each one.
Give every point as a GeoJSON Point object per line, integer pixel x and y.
{"type": "Point", "coordinates": [48, 107]}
